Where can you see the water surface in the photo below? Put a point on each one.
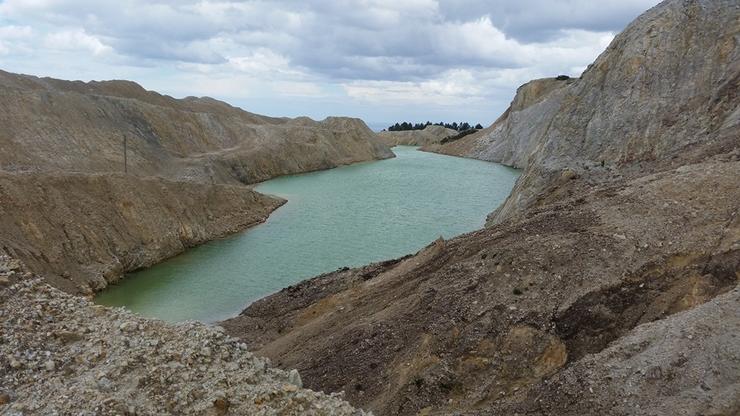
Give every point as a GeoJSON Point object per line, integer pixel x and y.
{"type": "Point", "coordinates": [349, 216]}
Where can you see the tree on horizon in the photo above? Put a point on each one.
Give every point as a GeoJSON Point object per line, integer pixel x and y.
{"type": "Point", "coordinates": [457, 126]}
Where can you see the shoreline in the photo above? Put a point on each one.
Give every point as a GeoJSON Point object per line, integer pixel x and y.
{"type": "Point", "coordinates": [128, 294]}
{"type": "Point", "coordinates": [229, 233]}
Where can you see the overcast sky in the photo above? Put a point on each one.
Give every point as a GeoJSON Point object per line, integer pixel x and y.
{"type": "Point", "coordinates": [381, 60]}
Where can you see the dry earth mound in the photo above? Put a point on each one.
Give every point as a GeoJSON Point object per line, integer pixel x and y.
{"type": "Point", "coordinates": [71, 126]}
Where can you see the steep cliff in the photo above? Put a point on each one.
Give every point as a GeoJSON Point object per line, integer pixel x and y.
{"type": "Point", "coordinates": [83, 231]}
{"type": "Point", "coordinates": [428, 136]}
{"type": "Point", "coordinates": [664, 91]}
{"type": "Point", "coordinates": [623, 229]}
{"type": "Point", "coordinates": [515, 135]}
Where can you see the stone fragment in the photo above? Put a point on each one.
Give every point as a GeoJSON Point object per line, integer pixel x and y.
{"type": "Point", "coordinates": [295, 378]}
{"type": "Point", "coordinates": [221, 403]}
{"type": "Point", "coordinates": [67, 336]}
{"type": "Point", "coordinates": [129, 326]}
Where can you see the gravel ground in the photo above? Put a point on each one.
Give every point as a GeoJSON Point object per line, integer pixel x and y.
{"type": "Point", "coordinates": [61, 354]}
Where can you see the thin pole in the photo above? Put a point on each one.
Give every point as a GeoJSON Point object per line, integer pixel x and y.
{"type": "Point", "coordinates": [125, 154]}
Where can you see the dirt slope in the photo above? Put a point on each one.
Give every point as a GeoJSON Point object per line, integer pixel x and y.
{"type": "Point", "coordinates": [53, 125]}
{"type": "Point", "coordinates": [83, 231]}
{"type": "Point", "coordinates": [428, 136]}
{"type": "Point", "coordinates": [626, 215]}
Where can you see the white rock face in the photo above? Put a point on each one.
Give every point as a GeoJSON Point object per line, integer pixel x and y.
{"type": "Point", "coordinates": [513, 138]}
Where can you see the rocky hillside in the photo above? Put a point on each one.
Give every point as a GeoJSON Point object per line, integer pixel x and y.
{"type": "Point", "coordinates": [428, 136]}
{"type": "Point", "coordinates": [664, 92]}
{"type": "Point", "coordinates": [70, 217]}
{"type": "Point", "coordinates": [60, 354]}
{"type": "Point", "coordinates": [54, 125]}
{"type": "Point", "coordinates": [513, 137]}
{"type": "Point", "coordinates": [606, 284]}
{"type": "Point", "coordinates": [70, 213]}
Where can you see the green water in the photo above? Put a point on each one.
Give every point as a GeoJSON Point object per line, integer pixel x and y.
{"type": "Point", "coordinates": [349, 216]}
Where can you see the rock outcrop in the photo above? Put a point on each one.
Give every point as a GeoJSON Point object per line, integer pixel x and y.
{"type": "Point", "coordinates": [70, 213]}
{"type": "Point", "coordinates": [616, 255]}
{"type": "Point", "coordinates": [60, 354]}
{"type": "Point", "coordinates": [83, 231]}
{"type": "Point", "coordinates": [513, 137]}
{"type": "Point", "coordinates": [428, 136]}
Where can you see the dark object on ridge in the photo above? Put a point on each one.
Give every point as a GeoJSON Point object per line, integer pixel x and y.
{"type": "Point", "coordinates": [458, 136]}
{"type": "Point", "coordinates": [421, 126]}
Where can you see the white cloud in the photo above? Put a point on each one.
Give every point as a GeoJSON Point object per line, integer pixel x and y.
{"type": "Point", "coordinates": [433, 53]}
{"type": "Point", "coordinates": [75, 39]}
{"type": "Point", "coordinates": [15, 32]}
{"type": "Point", "coordinates": [262, 61]}
{"type": "Point", "coordinates": [452, 88]}
{"type": "Point", "coordinates": [14, 39]}
{"type": "Point", "coordinates": [298, 89]}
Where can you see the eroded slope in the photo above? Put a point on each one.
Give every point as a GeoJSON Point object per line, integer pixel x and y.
{"type": "Point", "coordinates": [53, 125]}
{"type": "Point", "coordinates": [83, 231]}
{"type": "Point", "coordinates": [480, 318]}
{"type": "Point", "coordinates": [626, 214]}
{"type": "Point", "coordinates": [70, 213]}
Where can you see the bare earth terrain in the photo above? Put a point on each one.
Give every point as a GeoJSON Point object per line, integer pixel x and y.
{"type": "Point", "coordinates": [605, 284]}
{"type": "Point", "coordinates": [69, 212]}
{"type": "Point", "coordinates": [430, 135]}
{"type": "Point", "coordinates": [71, 218]}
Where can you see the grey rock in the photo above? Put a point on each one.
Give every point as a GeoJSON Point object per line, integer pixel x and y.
{"type": "Point", "coordinates": [294, 378]}
{"type": "Point", "coordinates": [123, 370]}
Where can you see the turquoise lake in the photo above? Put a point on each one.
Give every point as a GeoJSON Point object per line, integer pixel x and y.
{"type": "Point", "coordinates": [348, 216]}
